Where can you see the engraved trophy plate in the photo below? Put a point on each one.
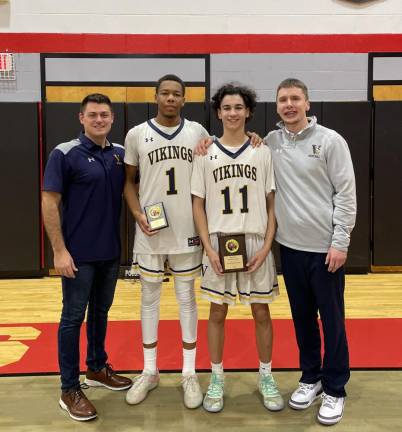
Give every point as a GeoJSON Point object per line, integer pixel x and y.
{"type": "Point", "coordinates": [232, 252]}
{"type": "Point", "coordinates": [156, 216]}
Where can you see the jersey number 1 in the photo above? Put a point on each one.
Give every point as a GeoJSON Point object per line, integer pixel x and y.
{"type": "Point", "coordinates": [226, 195]}
{"type": "Point", "coordinates": [172, 184]}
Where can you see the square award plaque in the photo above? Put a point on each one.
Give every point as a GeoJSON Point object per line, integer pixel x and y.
{"type": "Point", "coordinates": [232, 252]}
{"type": "Point", "coordinates": [156, 216]}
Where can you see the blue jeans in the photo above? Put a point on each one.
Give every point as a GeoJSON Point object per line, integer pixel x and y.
{"type": "Point", "coordinates": [93, 287]}
{"type": "Point", "coordinates": [311, 289]}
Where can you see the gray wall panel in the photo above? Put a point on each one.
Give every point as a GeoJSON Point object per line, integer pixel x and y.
{"type": "Point", "coordinates": [337, 76]}
{"type": "Point", "coordinates": [387, 68]}
{"type": "Point", "coordinates": [27, 86]}
{"type": "Point", "coordinates": [123, 69]}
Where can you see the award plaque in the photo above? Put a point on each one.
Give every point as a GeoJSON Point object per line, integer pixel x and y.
{"type": "Point", "coordinates": [232, 252]}
{"type": "Point", "coordinates": [156, 216]}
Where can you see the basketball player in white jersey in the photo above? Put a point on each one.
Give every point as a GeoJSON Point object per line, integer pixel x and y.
{"type": "Point", "coordinates": [233, 193]}
{"type": "Point", "coordinates": [162, 150]}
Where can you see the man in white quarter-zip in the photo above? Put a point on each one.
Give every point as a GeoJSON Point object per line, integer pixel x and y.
{"type": "Point", "coordinates": [315, 208]}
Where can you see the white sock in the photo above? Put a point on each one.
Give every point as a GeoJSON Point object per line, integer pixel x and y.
{"type": "Point", "coordinates": [265, 368]}
{"type": "Point", "coordinates": [189, 361]}
{"type": "Point", "coordinates": [217, 368]}
{"type": "Point", "coordinates": [150, 360]}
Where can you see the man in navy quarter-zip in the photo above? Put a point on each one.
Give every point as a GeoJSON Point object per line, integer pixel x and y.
{"type": "Point", "coordinates": [85, 178]}
{"type": "Point", "coordinates": [315, 209]}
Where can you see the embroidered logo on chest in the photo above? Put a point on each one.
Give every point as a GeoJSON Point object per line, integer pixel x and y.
{"type": "Point", "coordinates": [316, 151]}
{"type": "Point", "coordinates": [118, 160]}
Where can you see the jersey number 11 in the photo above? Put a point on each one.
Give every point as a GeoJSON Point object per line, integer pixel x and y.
{"type": "Point", "coordinates": [226, 195]}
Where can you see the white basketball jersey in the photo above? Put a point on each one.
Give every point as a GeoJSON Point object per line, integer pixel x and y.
{"type": "Point", "coordinates": [234, 186]}
{"type": "Point", "coordinates": [164, 157]}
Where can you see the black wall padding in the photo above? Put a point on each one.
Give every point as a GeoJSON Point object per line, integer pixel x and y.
{"type": "Point", "coordinates": [19, 177]}
{"type": "Point", "coordinates": [196, 111]}
{"type": "Point", "coordinates": [61, 125]}
{"type": "Point", "coordinates": [20, 232]}
{"type": "Point", "coordinates": [137, 113]}
{"type": "Point", "coordinates": [387, 200]}
{"type": "Point", "coordinates": [352, 120]}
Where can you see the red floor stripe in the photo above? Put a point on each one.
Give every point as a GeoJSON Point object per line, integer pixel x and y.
{"type": "Point", "coordinates": [373, 343]}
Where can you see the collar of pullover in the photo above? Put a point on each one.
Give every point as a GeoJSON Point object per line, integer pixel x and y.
{"type": "Point", "coordinates": [312, 121]}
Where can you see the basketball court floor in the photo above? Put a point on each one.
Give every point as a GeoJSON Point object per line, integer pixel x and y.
{"type": "Point", "coordinates": [29, 384]}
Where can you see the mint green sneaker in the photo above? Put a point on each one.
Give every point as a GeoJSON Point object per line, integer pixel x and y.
{"type": "Point", "coordinates": [273, 400]}
{"type": "Point", "coordinates": [213, 400]}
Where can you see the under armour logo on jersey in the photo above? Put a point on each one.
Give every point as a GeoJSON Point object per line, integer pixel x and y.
{"type": "Point", "coordinates": [91, 159]}
{"type": "Point", "coordinates": [149, 139]}
{"type": "Point", "coordinates": [213, 157]}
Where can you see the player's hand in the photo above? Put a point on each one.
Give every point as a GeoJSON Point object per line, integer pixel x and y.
{"type": "Point", "coordinates": [215, 262]}
{"type": "Point", "coordinates": [335, 259]}
{"type": "Point", "coordinates": [255, 139]}
{"type": "Point", "coordinates": [255, 262]}
{"type": "Point", "coordinates": [201, 148]}
{"type": "Point", "coordinates": [64, 263]}
{"type": "Point", "coordinates": [144, 225]}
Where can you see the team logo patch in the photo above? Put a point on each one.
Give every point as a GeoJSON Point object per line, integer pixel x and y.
{"type": "Point", "coordinates": [316, 151]}
{"type": "Point", "coordinates": [155, 211]}
{"type": "Point", "coordinates": [118, 160]}
{"type": "Point", "coordinates": [193, 241]}
{"type": "Point", "coordinates": [232, 246]}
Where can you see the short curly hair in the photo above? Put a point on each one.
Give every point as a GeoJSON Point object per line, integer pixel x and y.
{"type": "Point", "coordinates": [247, 94]}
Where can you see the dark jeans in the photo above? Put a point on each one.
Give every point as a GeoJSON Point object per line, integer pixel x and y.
{"type": "Point", "coordinates": [93, 287]}
{"type": "Point", "coordinates": [312, 289]}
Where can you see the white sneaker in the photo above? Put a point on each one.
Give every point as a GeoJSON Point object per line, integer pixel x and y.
{"type": "Point", "coordinates": [272, 399]}
{"type": "Point", "coordinates": [142, 384]}
{"type": "Point", "coordinates": [305, 395]}
{"type": "Point", "coordinates": [192, 391]}
{"type": "Point", "coordinates": [331, 410]}
{"type": "Point", "coordinates": [213, 400]}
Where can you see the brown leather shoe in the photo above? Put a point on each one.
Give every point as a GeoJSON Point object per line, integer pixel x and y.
{"type": "Point", "coordinates": [77, 405]}
{"type": "Point", "coordinates": [108, 378]}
